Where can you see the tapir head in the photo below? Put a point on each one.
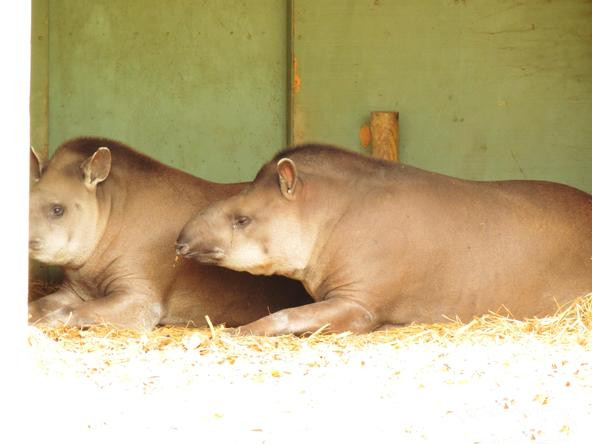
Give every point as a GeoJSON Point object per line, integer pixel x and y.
{"type": "Point", "coordinates": [259, 230]}
{"type": "Point", "coordinates": [64, 219]}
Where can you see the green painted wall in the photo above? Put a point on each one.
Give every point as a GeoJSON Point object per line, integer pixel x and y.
{"type": "Point", "coordinates": [39, 99]}
{"type": "Point", "coordinates": [195, 83]}
{"type": "Point", "coordinates": [485, 89]}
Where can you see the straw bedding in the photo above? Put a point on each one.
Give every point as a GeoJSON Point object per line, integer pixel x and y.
{"type": "Point", "coordinates": [494, 379]}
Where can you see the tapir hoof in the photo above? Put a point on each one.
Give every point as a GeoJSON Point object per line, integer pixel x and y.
{"type": "Point", "coordinates": [53, 319]}
{"type": "Point", "coordinates": [235, 331]}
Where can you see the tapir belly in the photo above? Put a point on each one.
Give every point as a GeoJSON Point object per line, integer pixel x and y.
{"type": "Point", "coordinates": [226, 296]}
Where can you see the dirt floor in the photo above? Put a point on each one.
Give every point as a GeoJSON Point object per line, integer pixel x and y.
{"type": "Point", "coordinates": [492, 381]}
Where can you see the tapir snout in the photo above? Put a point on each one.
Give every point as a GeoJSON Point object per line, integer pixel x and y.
{"type": "Point", "coordinates": [192, 242]}
{"type": "Point", "coordinates": [34, 245]}
{"type": "Point", "coordinates": [182, 247]}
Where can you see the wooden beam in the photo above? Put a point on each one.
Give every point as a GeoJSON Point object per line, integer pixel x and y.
{"type": "Point", "coordinates": [384, 130]}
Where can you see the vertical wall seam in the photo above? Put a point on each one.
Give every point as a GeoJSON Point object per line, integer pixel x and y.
{"type": "Point", "coordinates": [290, 80]}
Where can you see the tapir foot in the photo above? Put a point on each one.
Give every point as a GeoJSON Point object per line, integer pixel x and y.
{"type": "Point", "coordinates": [81, 317]}
{"type": "Point", "coordinates": [51, 309]}
{"type": "Point", "coordinates": [234, 331]}
{"type": "Point", "coordinates": [384, 327]}
{"type": "Point", "coordinates": [337, 314]}
{"type": "Point", "coordinates": [52, 319]}
{"type": "Point", "coordinates": [65, 316]}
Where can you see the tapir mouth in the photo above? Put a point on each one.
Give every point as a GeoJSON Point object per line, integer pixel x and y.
{"type": "Point", "coordinates": [206, 256]}
{"type": "Point", "coordinates": [34, 245]}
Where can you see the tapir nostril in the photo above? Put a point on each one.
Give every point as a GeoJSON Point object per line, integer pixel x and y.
{"type": "Point", "coordinates": [182, 248]}
{"type": "Point", "coordinates": [34, 244]}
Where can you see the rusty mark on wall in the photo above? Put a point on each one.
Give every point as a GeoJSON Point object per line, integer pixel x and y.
{"type": "Point", "coordinates": [296, 77]}
{"type": "Point", "coordinates": [365, 135]}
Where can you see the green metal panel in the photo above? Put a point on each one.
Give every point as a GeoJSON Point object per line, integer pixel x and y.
{"type": "Point", "coordinates": [195, 83]}
{"type": "Point", "coordinates": [488, 89]}
{"type": "Point", "coordinates": [39, 101]}
{"type": "Point", "coordinates": [485, 89]}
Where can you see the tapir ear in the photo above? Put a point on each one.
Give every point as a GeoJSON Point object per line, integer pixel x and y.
{"type": "Point", "coordinates": [96, 168]}
{"type": "Point", "coordinates": [35, 165]}
{"type": "Point", "coordinates": [288, 177]}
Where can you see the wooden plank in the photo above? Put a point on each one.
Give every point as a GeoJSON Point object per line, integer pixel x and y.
{"type": "Point", "coordinates": [384, 130]}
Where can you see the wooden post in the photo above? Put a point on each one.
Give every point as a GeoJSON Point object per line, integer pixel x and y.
{"type": "Point", "coordinates": [381, 135]}
{"type": "Point", "coordinates": [384, 128]}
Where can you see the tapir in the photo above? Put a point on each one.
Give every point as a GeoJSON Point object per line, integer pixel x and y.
{"type": "Point", "coordinates": [109, 216]}
{"type": "Point", "coordinates": [378, 243]}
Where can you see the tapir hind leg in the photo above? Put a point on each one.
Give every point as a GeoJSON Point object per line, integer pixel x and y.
{"type": "Point", "coordinates": [340, 314]}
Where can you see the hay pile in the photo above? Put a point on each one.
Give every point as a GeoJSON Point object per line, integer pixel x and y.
{"type": "Point", "coordinates": [492, 380]}
{"type": "Point", "coordinates": [569, 326]}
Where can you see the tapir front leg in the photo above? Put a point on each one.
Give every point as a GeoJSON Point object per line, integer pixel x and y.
{"type": "Point", "coordinates": [121, 310]}
{"type": "Point", "coordinates": [340, 314]}
{"type": "Point", "coordinates": [45, 306]}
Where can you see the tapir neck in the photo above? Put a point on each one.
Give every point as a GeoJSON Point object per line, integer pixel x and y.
{"type": "Point", "coordinates": [325, 207]}
{"type": "Point", "coordinates": [107, 204]}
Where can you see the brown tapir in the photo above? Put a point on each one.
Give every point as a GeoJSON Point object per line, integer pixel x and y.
{"type": "Point", "coordinates": [379, 243]}
{"type": "Point", "coordinates": [109, 216]}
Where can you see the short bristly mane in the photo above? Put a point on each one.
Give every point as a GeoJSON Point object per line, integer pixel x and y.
{"type": "Point", "coordinates": [333, 158]}
{"type": "Point", "coordinates": [122, 154]}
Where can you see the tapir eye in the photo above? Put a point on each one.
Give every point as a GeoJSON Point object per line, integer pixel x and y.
{"type": "Point", "coordinates": [242, 221]}
{"type": "Point", "coordinates": [57, 210]}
